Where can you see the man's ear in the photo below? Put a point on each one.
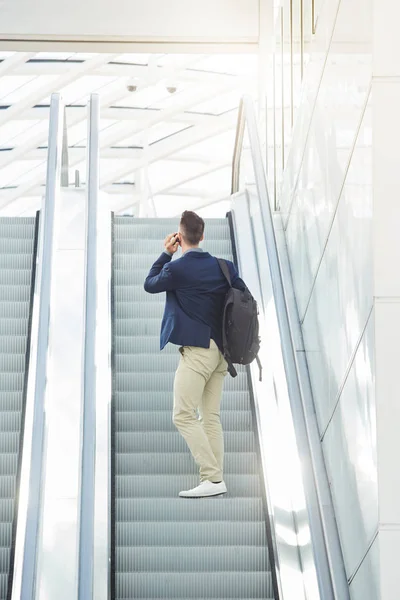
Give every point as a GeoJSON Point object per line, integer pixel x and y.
{"type": "Point", "coordinates": [202, 237]}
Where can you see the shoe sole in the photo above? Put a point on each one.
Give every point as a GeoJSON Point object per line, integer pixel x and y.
{"type": "Point", "coordinates": [205, 495]}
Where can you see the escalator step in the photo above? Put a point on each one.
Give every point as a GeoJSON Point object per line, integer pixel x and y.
{"type": "Point", "coordinates": [11, 327]}
{"type": "Point", "coordinates": [6, 509]}
{"type": "Point", "coordinates": [10, 421]}
{"type": "Point", "coordinates": [194, 585]}
{"type": "Point", "coordinates": [180, 463]}
{"type": "Point", "coordinates": [132, 401]}
{"type": "Point", "coordinates": [128, 262]}
{"type": "Point", "coordinates": [206, 533]}
{"type": "Point", "coordinates": [14, 310]}
{"type": "Point", "coordinates": [135, 293]}
{"type": "Point", "coordinates": [15, 293]}
{"type": "Point", "coordinates": [187, 559]}
{"type": "Point", "coordinates": [14, 277]}
{"type": "Point", "coordinates": [167, 486]}
{"type": "Point", "coordinates": [9, 443]}
{"type": "Point", "coordinates": [11, 382]}
{"type": "Point", "coordinates": [157, 382]}
{"type": "Point", "coordinates": [16, 261]}
{"type": "Point", "coordinates": [162, 421]}
{"type": "Point", "coordinates": [150, 363]}
{"type": "Point", "coordinates": [15, 344]}
{"type": "Point", "coordinates": [8, 462]}
{"type": "Point", "coordinates": [149, 248]}
{"type": "Point", "coordinates": [15, 245]}
{"type": "Point", "coordinates": [17, 229]}
{"type": "Point", "coordinates": [11, 401]}
{"type": "Point", "coordinates": [224, 508]}
{"type": "Point", "coordinates": [12, 363]}
{"type": "Point", "coordinates": [4, 560]}
{"type": "Point", "coordinates": [173, 442]}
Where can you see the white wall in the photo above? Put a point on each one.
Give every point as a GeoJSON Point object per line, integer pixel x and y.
{"type": "Point", "coordinates": [232, 21]}
{"type": "Point", "coordinates": [326, 200]}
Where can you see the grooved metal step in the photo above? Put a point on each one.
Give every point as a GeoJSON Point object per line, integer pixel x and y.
{"type": "Point", "coordinates": [224, 508]}
{"type": "Point", "coordinates": [142, 345]}
{"type": "Point", "coordinates": [142, 261]}
{"type": "Point", "coordinates": [165, 546]}
{"type": "Point", "coordinates": [167, 559]}
{"type": "Point", "coordinates": [17, 278]}
{"type": "Point", "coordinates": [162, 421]}
{"type": "Point", "coordinates": [161, 362]}
{"type": "Point", "coordinates": [129, 382]}
{"type": "Point", "coordinates": [194, 585]}
{"type": "Point", "coordinates": [133, 401]}
{"type": "Point", "coordinates": [207, 533]}
{"type": "Point", "coordinates": [181, 463]}
{"type": "Point", "coordinates": [161, 441]}
{"type": "Point", "coordinates": [16, 264]}
{"type": "Point", "coordinates": [149, 248]}
{"type": "Point", "coordinates": [15, 294]}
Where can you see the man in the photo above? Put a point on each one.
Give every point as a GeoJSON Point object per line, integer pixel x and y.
{"type": "Point", "coordinates": [196, 289]}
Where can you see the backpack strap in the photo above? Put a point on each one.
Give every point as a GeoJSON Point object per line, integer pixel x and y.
{"type": "Point", "coordinates": [224, 268]}
{"type": "Point", "coordinates": [259, 366]}
{"type": "Point", "coordinates": [231, 369]}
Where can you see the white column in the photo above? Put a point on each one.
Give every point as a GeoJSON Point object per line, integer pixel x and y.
{"type": "Point", "coordinates": [386, 244]}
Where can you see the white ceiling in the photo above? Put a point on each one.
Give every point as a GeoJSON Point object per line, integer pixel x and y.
{"type": "Point", "coordinates": [176, 147]}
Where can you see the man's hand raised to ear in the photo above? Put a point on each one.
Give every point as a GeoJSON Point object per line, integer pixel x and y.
{"type": "Point", "coordinates": [171, 243]}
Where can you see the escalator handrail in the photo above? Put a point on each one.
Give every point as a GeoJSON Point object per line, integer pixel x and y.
{"type": "Point", "coordinates": [40, 350]}
{"type": "Point", "coordinates": [88, 432]}
{"type": "Point", "coordinates": [328, 555]}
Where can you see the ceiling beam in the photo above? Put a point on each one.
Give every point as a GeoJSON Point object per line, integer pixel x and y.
{"type": "Point", "coordinates": [31, 99]}
{"type": "Point", "coordinates": [12, 63]}
{"type": "Point", "coordinates": [115, 69]}
{"type": "Point", "coordinates": [105, 100]}
{"type": "Point", "coordinates": [41, 113]}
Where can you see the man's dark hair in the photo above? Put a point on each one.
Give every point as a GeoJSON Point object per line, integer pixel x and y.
{"type": "Point", "coordinates": [192, 227]}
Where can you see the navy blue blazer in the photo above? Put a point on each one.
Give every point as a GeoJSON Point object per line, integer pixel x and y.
{"type": "Point", "coordinates": [196, 289]}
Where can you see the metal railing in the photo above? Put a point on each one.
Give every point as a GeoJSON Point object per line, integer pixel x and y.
{"type": "Point", "coordinates": [323, 529]}
{"type": "Point", "coordinates": [32, 465]}
{"type": "Point", "coordinates": [87, 488]}
{"type": "Point", "coordinates": [94, 530]}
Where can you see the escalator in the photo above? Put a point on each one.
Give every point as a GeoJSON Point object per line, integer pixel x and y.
{"type": "Point", "coordinates": [18, 242]}
{"type": "Point", "coordinates": [163, 546]}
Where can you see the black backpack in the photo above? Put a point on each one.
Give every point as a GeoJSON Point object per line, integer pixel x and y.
{"type": "Point", "coordinates": [240, 338]}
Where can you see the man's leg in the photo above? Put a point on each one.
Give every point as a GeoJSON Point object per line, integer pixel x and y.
{"type": "Point", "coordinates": [193, 372]}
{"type": "Point", "coordinates": [210, 413]}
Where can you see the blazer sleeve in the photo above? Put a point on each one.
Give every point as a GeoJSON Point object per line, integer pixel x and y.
{"type": "Point", "coordinates": [160, 278]}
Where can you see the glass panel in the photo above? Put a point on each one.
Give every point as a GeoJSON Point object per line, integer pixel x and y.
{"type": "Point", "coordinates": [297, 62]}
{"type": "Point", "coordinates": [287, 76]}
{"type": "Point", "coordinates": [350, 454]}
{"type": "Point", "coordinates": [342, 295]}
{"type": "Point", "coordinates": [278, 105]}
{"type": "Point", "coordinates": [365, 585]}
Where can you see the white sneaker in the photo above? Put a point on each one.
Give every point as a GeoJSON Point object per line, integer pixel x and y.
{"type": "Point", "coordinates": [206, 488]}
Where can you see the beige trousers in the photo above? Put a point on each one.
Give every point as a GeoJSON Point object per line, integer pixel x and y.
{"type": "Point", "coordinates": [198, 384]}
